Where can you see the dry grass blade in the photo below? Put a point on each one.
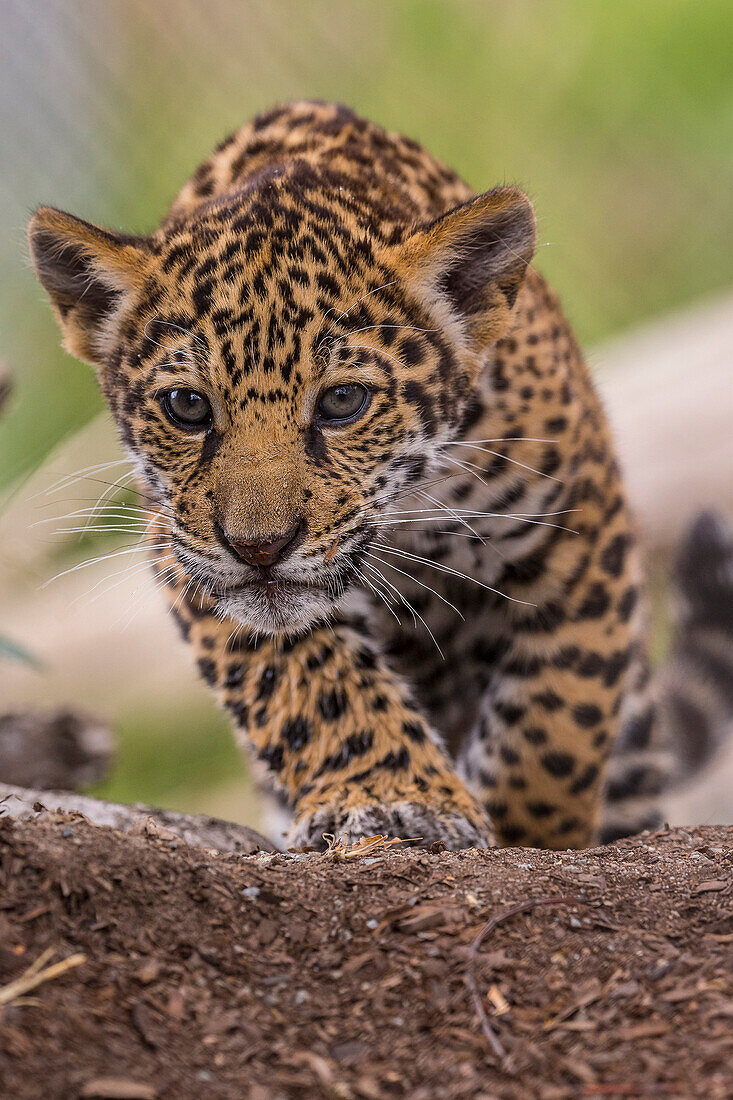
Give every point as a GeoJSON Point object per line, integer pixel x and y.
{"type": "Point", "coordinates": [117, 1088]}
{"type": "Point", "coordinates": [36, 974]}
{"type": "Point", "coordinates": [499, 1001]}
{"type": "Point", "coordinates": [339, 847]}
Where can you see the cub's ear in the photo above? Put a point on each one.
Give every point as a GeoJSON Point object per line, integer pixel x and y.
{"type": "Point", "coordinates": [470, 263]}
{"type": "Point", "coordinates": [89, 274]}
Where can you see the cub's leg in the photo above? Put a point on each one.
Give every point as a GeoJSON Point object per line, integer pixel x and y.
{"type": "Point", "coordinates": [335, 727]}
{"type": "Point", "coordinates": [569, 674]}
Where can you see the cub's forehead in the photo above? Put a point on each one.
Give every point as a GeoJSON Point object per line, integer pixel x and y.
{"type": "Point", "coordinates": [276, 285]}
{"type": "Point", "coordinates": [279, 225]}
{"type": "Point", "coordinates": [232, 274]}
{"type": "Point", "coordinates": [256, 290]}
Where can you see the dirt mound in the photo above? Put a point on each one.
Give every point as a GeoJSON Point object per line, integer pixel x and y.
{"type": "Point", "coordinates": [208, 975]}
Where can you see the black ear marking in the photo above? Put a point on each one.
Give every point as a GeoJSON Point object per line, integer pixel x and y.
{"type": "Point", "coordinates": [474, 259]}
{"type": "Point", "coordinates": [68, 274]}
{"type": "Point", "coordinates": [496, 250]}
{"type": "Point", "coordinates": [86, 272]}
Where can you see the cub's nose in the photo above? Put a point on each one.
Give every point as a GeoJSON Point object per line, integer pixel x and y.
{"type": "Point", "coordinates": [264, 553]}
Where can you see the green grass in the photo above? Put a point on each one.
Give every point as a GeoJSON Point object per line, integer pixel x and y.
{"type": "Point", "coordinates": [165, 757]}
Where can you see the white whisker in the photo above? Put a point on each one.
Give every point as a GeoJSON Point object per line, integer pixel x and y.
{"type": "Point", "coordinates": [79, 475]}
{"type": "Point", "coordinates": [415, 614]}
{"type": "Point", "coordinates": [505, 458]}
{"type": "Point", "coordinates": [387, 549]}
{"type": "Point", "coordinates": [107, 529]}
{"type": "Point", "coordinates": [390, 588]}
{"type": "Point", "coordinates": [345, 312]}
{"type": "Point", "coordinates": [460, 519]}
{"type": "Point", "coordinates": [137, 549]}
{"type": "Point", "coordinates": [185, 331]}
{"type": "Point", "coordinates": [134, 569]}
{"type": "Point", "coordinates": [366, 328]}
{"type": "Point", "coordinates": [468, 442]}
{"type": "Point", "coordinates": [382, 596]}
{"type": "Point", "coordinates": [379, 351]}
{"type": "Point", "coordinates": [470, 513]}
{"type": "Point", "coordinates": [122, 480]}
{"type": "Point", "coordinates": [125, 512]}
{"type": "Point", "coordinates": [371, 554]}
{"type": "Point", "coordinates": [391, 523]}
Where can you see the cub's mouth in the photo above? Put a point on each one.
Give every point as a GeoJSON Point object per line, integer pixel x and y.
{"type": "Point", "coordinates": [270, 586]}
{"type": "Point", "coordinates": [276, 606]}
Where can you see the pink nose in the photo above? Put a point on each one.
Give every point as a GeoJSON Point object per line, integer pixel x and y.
{"type": "Point", "coordinates": [264, 553]}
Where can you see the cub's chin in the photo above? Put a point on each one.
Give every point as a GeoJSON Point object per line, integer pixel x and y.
{"type": "Point", "coordinates": [277, 609]}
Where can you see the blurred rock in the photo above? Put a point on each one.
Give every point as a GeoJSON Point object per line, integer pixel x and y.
{"type": "Point", "coordinates": [52, 749]}
{"type": "Point", "coordinates": [6, 386]}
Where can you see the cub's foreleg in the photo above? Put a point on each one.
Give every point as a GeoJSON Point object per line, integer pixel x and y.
{"type": "Point", "coordinates": [335, 727]}
{"type": "Point", "coordinates": [566, 681]}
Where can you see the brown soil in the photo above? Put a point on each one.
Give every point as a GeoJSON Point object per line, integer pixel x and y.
{"type": "Point", "coordinates": [312, 975]}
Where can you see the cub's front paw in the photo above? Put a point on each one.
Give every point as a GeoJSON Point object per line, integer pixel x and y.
{"type": "Point", "coordinates": [407, 819]}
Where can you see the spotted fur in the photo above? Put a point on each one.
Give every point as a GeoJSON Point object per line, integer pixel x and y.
{"type": "Point", "coordinates": [457, 638]}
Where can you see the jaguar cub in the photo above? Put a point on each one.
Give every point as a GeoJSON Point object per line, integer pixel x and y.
{"type": "Point", "coordinates": [382, 491]}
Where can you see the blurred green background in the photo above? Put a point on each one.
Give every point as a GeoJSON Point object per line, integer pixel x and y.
{"type": "Point", "coordinates": [617, 118]}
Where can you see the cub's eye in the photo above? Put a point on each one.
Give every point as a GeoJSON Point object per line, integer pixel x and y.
{"type": "Point", "coordinates": [342, 403]}
{"type": "Point", "coordinates": [186, 409]}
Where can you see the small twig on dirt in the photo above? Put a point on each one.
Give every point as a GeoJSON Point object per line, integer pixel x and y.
{"type": "Point", "coordinates": [491, 924]}
{"type": "Point", "coordinates": [37, 974]}
{"type": "Point", "coordinates": [339, 847]}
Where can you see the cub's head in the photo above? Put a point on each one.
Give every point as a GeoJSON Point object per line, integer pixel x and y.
{"type": "Point", "coordinates": [281, 371]}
